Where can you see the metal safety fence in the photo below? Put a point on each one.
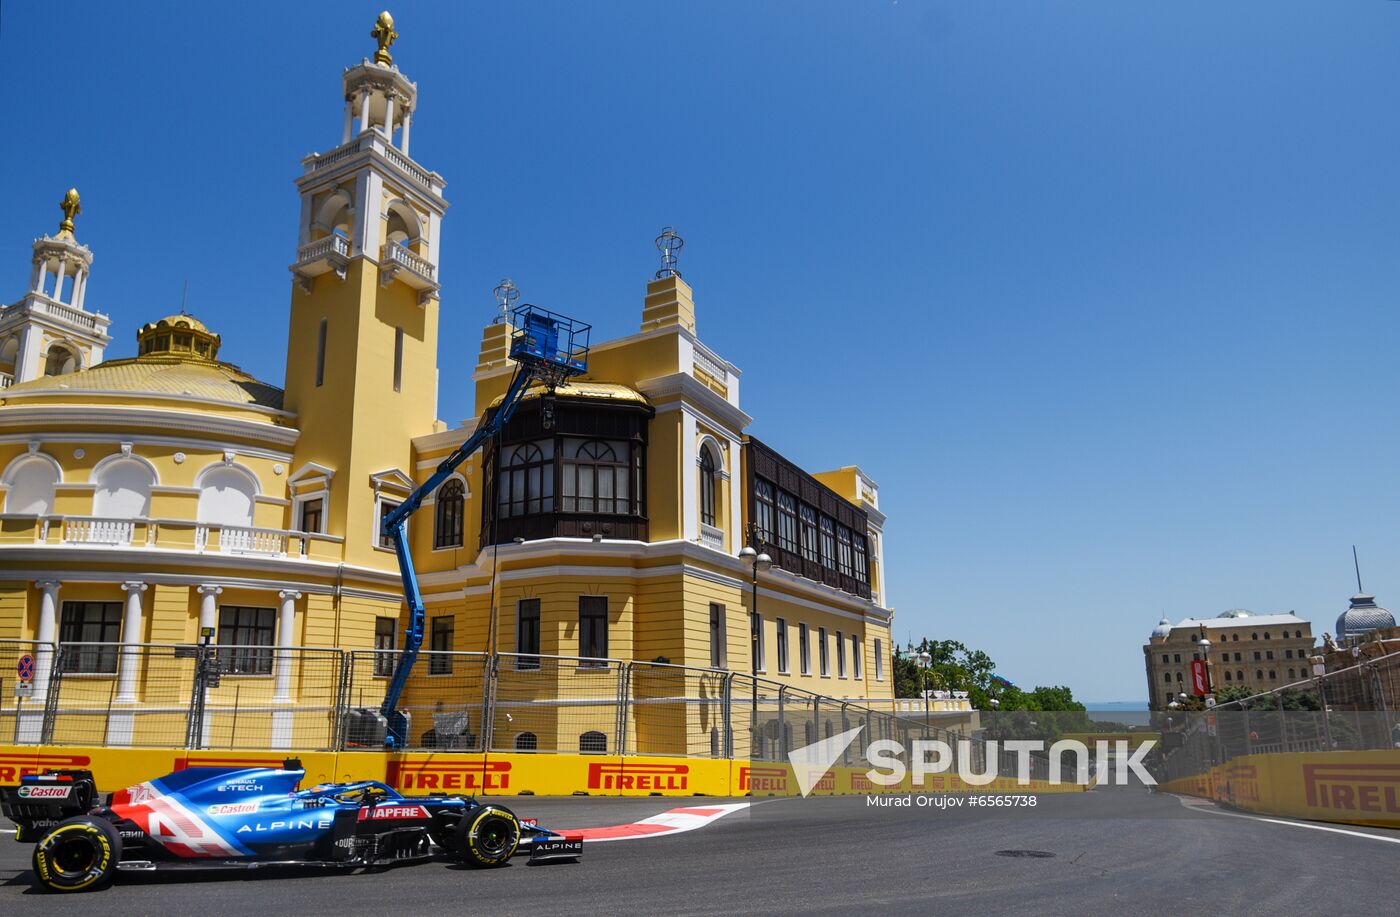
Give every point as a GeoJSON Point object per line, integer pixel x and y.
{"type": "Point", "coordinates": [1352, 708]}
{"type": "Point", "coordinates": [213, 696]}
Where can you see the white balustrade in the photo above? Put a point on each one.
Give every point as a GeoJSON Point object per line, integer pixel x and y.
{"type": "Point", "coordinates": [6, 380]}
{"type": "Point", "coordinates": [94, 530]}
{"type": "Point", "coordinates": [405, 258]}
{"type": "Point", "coordinates": [712, 537]}
{"type": "Point", "coordinates": [324, 248]}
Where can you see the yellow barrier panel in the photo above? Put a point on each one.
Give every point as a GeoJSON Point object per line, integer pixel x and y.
{"type": "Point", "coordinates": [1351, 787]}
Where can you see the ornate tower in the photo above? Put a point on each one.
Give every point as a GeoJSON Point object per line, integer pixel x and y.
{"type": "Point", "coordinates": [48, 332]}
{"type": "Point", "coordinates": [362, 345]}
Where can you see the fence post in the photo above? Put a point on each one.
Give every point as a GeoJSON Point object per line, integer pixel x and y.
{"type": "Point", "coordinates": [55, 685]}
{"type": "Point", "coordinates": [490, 674]}
{"type": "Point", "coordinates": [782, 731]}
{"type": "Point", "coordinates": [624, 674]}
{"type": "Point", "coordinates": [342, 699]}
{"type": "Point", "coordinates": [726, 712]}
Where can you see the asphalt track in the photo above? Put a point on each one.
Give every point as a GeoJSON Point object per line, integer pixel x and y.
{"type": "Point", "coordinates": [1112, 851]}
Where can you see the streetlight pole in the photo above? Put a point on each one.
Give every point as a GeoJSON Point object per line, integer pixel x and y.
{"type": "Point", "coordinates": [760, 561]}
{"type": "Point", "coordinates": [1319, 667]}
{"type": "Point", "coordinates": [924, 660]}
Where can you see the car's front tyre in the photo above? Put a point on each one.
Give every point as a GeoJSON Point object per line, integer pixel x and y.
{"type": "Point", "coordinates": [488, 836]}
{"type": "Point", "coordinates": [78, 854]}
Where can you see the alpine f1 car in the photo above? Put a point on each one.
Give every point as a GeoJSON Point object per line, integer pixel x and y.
{"type": "Point", "coordinates": [251, 817]}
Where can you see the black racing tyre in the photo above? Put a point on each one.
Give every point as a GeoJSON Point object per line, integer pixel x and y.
{"type": "Point", "coordinates": [487, 837]}
{"type": "Point", "coordinates": [77, 855]}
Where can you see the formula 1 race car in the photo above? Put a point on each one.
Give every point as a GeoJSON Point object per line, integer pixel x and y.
{"type": "Point", "coordinates": [248, 817]}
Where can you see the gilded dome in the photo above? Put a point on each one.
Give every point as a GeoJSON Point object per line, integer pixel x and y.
{"type": "Point", "coordinates": [181, 336]}
{"type": "Point", "coordinates": [157, 374]}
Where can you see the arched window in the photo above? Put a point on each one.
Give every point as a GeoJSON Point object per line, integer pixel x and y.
{"type": "Point", "coordinates": [526, 741]}
{"type": "Point", "coordinates": [1298, 634]}
{"type": "Point", "coordinates": [226, 496]}
{"type": "Point", "coordinates": [1258, 674]}
{"type": "Point", "coordinates": [402, 228]}
{"type": "Point", "coordinates": [123, 489]}
{"type": "Point", "coordinates": [1266, 635]}
{"type": "Point", "coordinates": [595, 477]}
{"type": "Point", "coordinates": [1239, 675]}
{"type": "Point", "coordinates": [1292, 673]}
{"type": "Point", "coordinates": [707, 487]}
{"type": "Point", "coordinates": [9, 352]}
{"type": "Point", "coordinates": [31, 481]}
{"type": "Point", "coordinates": [447, 531]}
{"type": "Point", "coordinates": [527, 479]}
{"type": "Point", "coordinates": [1227, 675]}
{"type": "Point", "coordinates": [593, 743]}
{"type": "Point", "coordinates": [60, 361]}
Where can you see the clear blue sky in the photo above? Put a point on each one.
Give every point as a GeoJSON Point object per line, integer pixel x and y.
{"type": "Point", "coordinates": [1103, 294]}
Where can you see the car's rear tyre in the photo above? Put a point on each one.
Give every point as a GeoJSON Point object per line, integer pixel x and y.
{"type": "Point", "coordinates": [487, 837]}
{"type": "Point", "coordinates": [77, 855]}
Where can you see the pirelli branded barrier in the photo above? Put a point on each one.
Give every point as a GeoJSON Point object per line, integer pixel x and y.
{"type": "Point", "coordinates": [495, 774]}
{"type": "Point", "coordinates": [1353, 787]}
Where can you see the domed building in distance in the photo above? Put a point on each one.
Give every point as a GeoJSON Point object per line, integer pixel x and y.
{"type": "Point", "coordinates": [151, 498]}
{"type": "Point", "coordinates": [1260, 652]}
{"type": "Point", "coordinates": [1361, 618]}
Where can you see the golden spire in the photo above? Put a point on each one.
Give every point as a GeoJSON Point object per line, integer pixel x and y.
{"type": "Point", "coordinates": [71, 206]}
{"type": "Point", "coordinates": [384, 34]}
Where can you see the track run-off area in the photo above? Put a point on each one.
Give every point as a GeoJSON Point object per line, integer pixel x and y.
{"type": "Point", "coordinates": [1109, 851]}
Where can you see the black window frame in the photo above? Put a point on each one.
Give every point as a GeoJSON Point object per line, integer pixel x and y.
{"type": "Point", "coordinates": [719, 651]}
{"type": "Point", "coordinates": [536, 468]}
{"type": "Point", "coordinates": [765, 511]}
{"type": "Point", "coordinates": [385, 655]}
{"type": "Point", "coordinates": [804, 648]}
{"type": "Point", "coordinates": [442, 635]}
{"type": "Point", "coordinates": [596, 469]}
{"type": "Point", "coordinates": [787, 521]}
{"type": "Point", "coordinates": [74, 627]}
{"type": "Point", "coordinates": [450, 515]}
{"type": "Point", "coordinates": [823, 654]}
{"type": "Point", "coordinates": [708, 481]}
{"type": "Point", "coordinates": [781, 644]}
{"type": "Point", "coordinates": [386, 506]}
{"type": "Point", "coordinates": [593, 630]}
{"type": "Point", "coordinates": [527, 633]}
{"type": "Point", "coordinates": [250, 627]}
{"type": "Point", "coordinates": [807, 516]}
{"type": "Point", "coordinates": [311, 509]}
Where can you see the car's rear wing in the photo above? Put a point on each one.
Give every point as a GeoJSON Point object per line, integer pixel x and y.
{"type": "Point", "coordinates": [41, 801]}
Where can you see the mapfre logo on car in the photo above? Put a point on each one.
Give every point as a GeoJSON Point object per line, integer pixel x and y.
{"type": "Point", "coordinates": [1353, 787]}
{"type": "Point", "coordinates": [763, 779]}
{"type": "Point", "coordinates": [628, 776]}
{"type": "Point", "coordinates": [448, 776]}
{"type": "Point", "coordinates": [43, 792]}
{"type": "Point", "coordinates": [382, 813]}
{"type": "Point", "coordinates": [15, 766]}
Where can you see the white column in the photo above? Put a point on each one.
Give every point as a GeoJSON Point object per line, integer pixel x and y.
{"type": "Point", "coordinates": [79, 287]}
{"type": "Point", "coordinates": [42, 275]}
{"type": "Point", "coordinates": [736, 496]}
{"type": "Point", "coordinates": [407, 120]}
{"type": "Point", "coordinates": [389, 117]}
{"type": "Point", "coordinates": [364, 111]}
{"type": "Point", "coordinates": [45, 635]}
{"type": "Point", "coordinates": [208, 606]}
{"type": "Point", "coordinates": [130, 665]}
{"type": "Point", "coordinates": [349, 121]}
{"type": "Point", "coordinates": [690, 479]}
{"type": "Point", "coordinates": [58, 283]}
{"type": "Point", "coordinates": [31, 343]}
{"type": "Point", "coordinates": [286, 639]}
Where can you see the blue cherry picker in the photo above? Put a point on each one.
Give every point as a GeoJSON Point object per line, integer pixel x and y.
{"type": "Point", "coordinates": [547, 348]}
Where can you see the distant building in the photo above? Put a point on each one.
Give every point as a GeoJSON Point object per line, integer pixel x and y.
{"type": "Point", "coordinates": [1261, 652]}
{"type": "Point", "coordinates": [1362, 617]}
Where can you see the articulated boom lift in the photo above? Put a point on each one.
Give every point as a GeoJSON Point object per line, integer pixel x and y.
{"type": "Point", "coordinates": [547, 348]}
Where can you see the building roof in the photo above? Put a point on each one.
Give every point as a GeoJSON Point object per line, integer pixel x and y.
{"type": "Point", "coordinates": [1363, 616]}
{"type": "Point", "coordinates": [155, 374]}
{"type": "Point", "coordinates": [598, 391]}
{"type": "Point", "coordinates": [1248, 619]}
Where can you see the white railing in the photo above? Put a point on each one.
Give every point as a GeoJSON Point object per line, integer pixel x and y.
{"type": "Point", "coordinates": [405, 258]}
{"type": "Point", "coordinates": [711, 537]}
{"type": "Point", "coordinates": [336, 155]}
{"type": "Point", "coordinates": [94, 530]}
{"type": "Point", "coordinates": [709, 364]}
{"type": "Point", "coordinates": [403, 162]}
{"type": "Point", "coordinates": [324, 248]}
{"type": "Point", "coordinates": [7, 380]}
{"type": "Point", "coordinates": [237, 539]}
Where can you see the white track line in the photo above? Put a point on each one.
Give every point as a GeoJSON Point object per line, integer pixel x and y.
{"type": "Point", "coordinates": [1214, 810]}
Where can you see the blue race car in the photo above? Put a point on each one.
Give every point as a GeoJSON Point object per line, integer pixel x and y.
{"type": "Point", "coordinates": [247, 817]}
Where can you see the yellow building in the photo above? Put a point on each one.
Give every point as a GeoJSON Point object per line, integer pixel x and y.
{"type": "Point", "coordinates": [149, 497]}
